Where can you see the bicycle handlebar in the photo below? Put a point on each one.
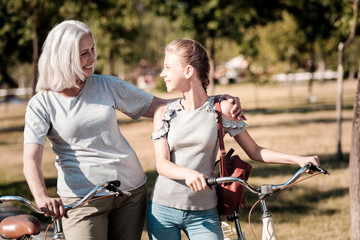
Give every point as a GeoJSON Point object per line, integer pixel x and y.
{"type": "Point", "coordinates": [22, 200]}
{"type": "Point", "coordinates": [267, 189]}
{"type": "Point", "coordinates": [111, 186]}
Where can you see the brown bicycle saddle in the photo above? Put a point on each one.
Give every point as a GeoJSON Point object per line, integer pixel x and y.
{"type": "Point", "coordinates": [14, 227]}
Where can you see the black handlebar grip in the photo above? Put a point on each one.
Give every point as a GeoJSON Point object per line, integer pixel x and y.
{"type": "Point", "coordinates": [211, 181]}
{"type": "Point", "coordinates": [115, 183]}
{"type": "Point", "coordinates": [113, 186]}
{"type": "Point", "coordinates": [318, 169]}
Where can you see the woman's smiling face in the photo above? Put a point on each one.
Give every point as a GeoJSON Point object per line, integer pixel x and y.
{"type": "Point", "coordinates": [87, 54]}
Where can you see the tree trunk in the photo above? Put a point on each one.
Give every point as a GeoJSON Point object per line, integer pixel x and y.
{"type": "Point", "coordinates": [112, 64]}
{"type": "Point", "coordinates": [341, 49]}
{"type": "Point", "coordinates": [211, 46]}
{"type": "Point", "coordinates": [354, 165]}
{"type": "Point", "coordinates": [312, 71]}
{"type": "Point", "coordinates": [35, 57]}
{"type": "Point", "coordinates": [354, 168]}
{"type": "Point", "coordinates": [340, 72]}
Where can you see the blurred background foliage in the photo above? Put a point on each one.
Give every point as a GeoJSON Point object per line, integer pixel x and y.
{"type": "Point", "coordinates": [273, 36]}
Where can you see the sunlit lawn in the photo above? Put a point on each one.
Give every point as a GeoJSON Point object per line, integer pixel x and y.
{"type": "Point", "coordinates": [317, 208]}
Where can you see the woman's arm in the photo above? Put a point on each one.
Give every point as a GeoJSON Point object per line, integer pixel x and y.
{"type": "Point", "coordinates": [156, 103]}
{"type": "Point", "coordinates": [235, 110]}
{"type": "Point", "coordinates": [32, 160]}
{"type": "Point", "coordinates": [193, 179]}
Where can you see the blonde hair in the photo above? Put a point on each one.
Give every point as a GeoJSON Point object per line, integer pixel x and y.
{"type": "Point", "coordinates": [190, 52]}
{"type": "Point", "coordinates": [59, 63]}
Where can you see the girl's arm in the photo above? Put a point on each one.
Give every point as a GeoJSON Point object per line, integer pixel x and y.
{"type": "Point", "coordinates": [258, 153]}
{"type": "Point", "coordinates": [32, 159]}
{"type": "Point", "coordinates": [193, 179]}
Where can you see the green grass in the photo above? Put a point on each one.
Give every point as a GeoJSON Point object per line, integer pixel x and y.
{"type": "Point", "coordinates": [317, 208]}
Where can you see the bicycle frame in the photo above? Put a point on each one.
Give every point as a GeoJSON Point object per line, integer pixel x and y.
{"type": "Point", "coordinates": [58, 234]}
{"type": "Point", "coordinates": [264, 191]}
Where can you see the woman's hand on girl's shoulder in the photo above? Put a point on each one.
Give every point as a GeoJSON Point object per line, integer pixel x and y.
{"type": "Point", "coordinates": [226, 108]}
{"type": "Point", "coordinates": [236, 110]}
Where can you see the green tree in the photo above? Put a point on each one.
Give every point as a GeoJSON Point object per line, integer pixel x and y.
{"type": "Point", "coordinates": [23, 25]}
{"type": "Point", "coordinates": [215, 19]}
{"type": "Point", "coordinates": [279, 45]}
{"type": "Point", "coordinates": [317, 20]}
{"type": "Point", "coordinates": [115, 24]}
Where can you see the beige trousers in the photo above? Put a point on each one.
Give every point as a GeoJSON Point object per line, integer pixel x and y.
{"type": "Point", "coordinates": [110, 218]}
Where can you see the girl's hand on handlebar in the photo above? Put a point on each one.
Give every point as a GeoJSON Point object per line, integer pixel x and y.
{"type": "Point", "coordinates": [195, 181]}
{"type": "Point", "coordinates": [53, 207]}
{"type": "Point", "coordinates": [312, 159]}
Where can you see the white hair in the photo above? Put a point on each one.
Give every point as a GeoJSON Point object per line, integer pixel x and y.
{"type": "Point", "coordinates": [59, 63]}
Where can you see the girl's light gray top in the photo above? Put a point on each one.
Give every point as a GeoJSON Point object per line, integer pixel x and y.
{"type": "Point", "coordinates": [85, 136]}
{"type": "Point", "coordinates": [193, 143]}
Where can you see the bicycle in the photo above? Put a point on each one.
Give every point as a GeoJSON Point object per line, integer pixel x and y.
{"type": "Point", "coordinates": [263, 192]}
{"type": "Point", "coordinates": [25, 226]}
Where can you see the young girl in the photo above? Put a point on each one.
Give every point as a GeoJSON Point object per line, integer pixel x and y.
{"type": "Point", "coordinates": [186, 147]}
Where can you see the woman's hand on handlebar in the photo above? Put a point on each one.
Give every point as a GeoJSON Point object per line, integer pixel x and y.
{"type": "Point", "coordinates": [52, 207]}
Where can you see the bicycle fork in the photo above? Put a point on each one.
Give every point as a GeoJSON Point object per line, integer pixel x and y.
{"type": "Point", "coordinates": [268, 232]}
{"type": "Point", "coordinates": [58, 234]}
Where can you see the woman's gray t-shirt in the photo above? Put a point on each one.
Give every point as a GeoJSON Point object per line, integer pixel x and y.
{"type": "Point", "coordinates": [193, 143]}
{"type": "Point", "coordinates": [85, 136]}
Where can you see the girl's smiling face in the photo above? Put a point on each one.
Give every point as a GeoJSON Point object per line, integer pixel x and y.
{"type": "Point", "coordinates": [173, 72]}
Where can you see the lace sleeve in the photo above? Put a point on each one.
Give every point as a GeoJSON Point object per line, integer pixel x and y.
{"type": "Point", "coordinates": [233, 128]}
{"type": "Point", "coordinates": [164, 129]}
{"type": "Point", "coordinates": [160, 132]}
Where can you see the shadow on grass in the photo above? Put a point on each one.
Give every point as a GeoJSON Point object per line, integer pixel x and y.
{"type": "Point", "coordinates": [294, 123]}
{"type": "Point", "coordinates": [21, 189]}
{"type": "Point", "coordinates": [289, 210]}
{"type": "Point", "coordinates": [299, 109]}
{"type": "Point", "coordinates": [13, 129]}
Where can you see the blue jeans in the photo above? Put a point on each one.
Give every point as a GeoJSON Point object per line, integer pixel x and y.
{"type": "Point", "coordinates": [166, 223]}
